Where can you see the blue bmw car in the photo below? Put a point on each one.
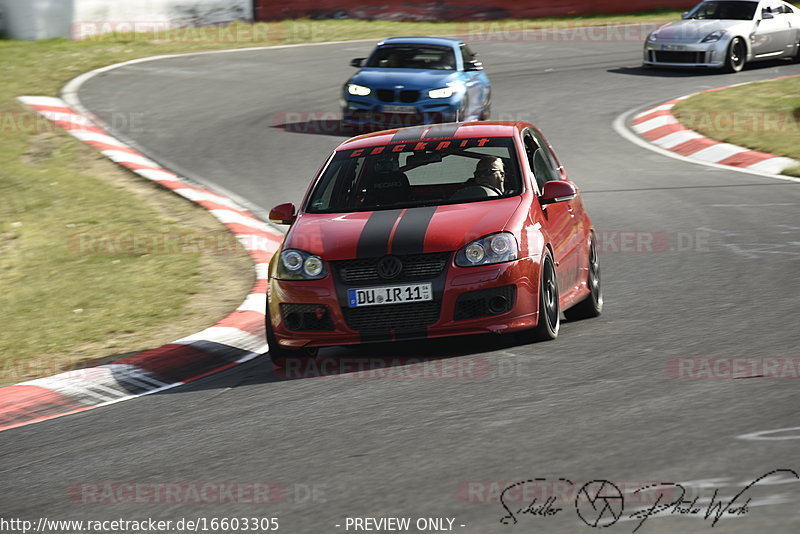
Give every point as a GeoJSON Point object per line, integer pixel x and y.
{"type": "Point", "coordinates": [416, 80]}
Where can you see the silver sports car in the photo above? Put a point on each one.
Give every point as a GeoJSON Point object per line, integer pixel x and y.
{"type": "Point", "coordinates": [727, 34]}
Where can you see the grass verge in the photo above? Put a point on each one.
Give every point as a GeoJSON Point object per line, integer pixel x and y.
{"type": "Point", "coordinates": [764, 116]}
{"type": "Point", "coordinates": [64, 306]}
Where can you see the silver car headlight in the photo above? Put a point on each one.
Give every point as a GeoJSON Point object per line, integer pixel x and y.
{"type": "Point", "coordinates": [713, 37]}
{"type": "Point", "coordinates": [358, 90]}
{"type": "Point", "coordinates": [300, 265]}
{"type": "Point", "coordinates": [653, 37]}
{"type": "Point", "coordinates": [494, 248]}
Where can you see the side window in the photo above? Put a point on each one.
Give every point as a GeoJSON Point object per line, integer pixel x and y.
{"type": "Point", "coordinates": [546, 167]}
{"type": "Point", "coordinates": [533, 155]}
{"type": "Point", "coordinates": [466, 55]}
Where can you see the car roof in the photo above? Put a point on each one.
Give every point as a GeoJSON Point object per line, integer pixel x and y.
{"type": "Point", "coordinates": [430, 132]}
{"type": "Point", "coordinates": [440, 41]}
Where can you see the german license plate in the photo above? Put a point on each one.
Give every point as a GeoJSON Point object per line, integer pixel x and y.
{"type": "Point", "coordinates": [377, 296]}
{"type": "Point", "coordinates": [399, 109]}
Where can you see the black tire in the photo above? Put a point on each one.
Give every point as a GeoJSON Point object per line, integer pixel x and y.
{"type": "Point", "coordinates": [280, 356]}
{"type": "Point", "coordinates": [796, 58]}
{"type": "Point", "coordinates": [737, 55]}
{"type": "Point", "coordinates": [549, 312]}
{"type": "Point", "coordinates": [592, 305]}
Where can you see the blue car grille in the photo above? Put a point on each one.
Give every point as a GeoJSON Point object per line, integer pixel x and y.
{"type": "Point", "coordinates": [385, 95]}
{"type": "Point", "coordinates": [406, 96]}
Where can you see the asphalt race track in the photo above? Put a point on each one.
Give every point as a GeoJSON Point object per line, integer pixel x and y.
{"type": "Point", "coordinates": [697, 262]}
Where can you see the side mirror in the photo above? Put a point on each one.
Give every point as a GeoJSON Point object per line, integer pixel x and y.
{"type": "Point", "coordinates": [357, 62]}
{"type": "Point", "coordinates": [283, 214]}
{"type": "Point", "coordinates": [557, 191]}
{"type": "Point", "coordinates": [766, 15]}
{"type": "Point", "coordinates": [685, 15]}
{"type": "Point", "coordinates": [473, 64]}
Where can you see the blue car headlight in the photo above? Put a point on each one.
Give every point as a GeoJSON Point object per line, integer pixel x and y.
{"type": "Point", "coordinates": [300, 265]}
{"type": "Point", "coordinates": [358, 90]}
{"type": "Point", "coordinates": [713, 37]}
{"type": "Point", "coordinates": [494, 248]}
{"type": "Point", "coordinates": [443, 92]}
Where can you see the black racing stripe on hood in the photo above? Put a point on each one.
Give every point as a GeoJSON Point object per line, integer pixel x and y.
{"type": "Point", "coordinates": [409, 238]}
{"type": "Point", "coordinates": [408, 134]}
{"type": "Point", "coordinates": [442, 130]}
{"type": "Point", "coordinates": [374, 238]}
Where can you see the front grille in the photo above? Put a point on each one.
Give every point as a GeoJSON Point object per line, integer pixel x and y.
{"type": "Point", "coordinates": [662, 56]}
{"type": "Point", "coordinates": [393, 316]}
{"type": "Point", "coordinates": [386, 95]}
{"type": "Point", "coordinates": [415, 267]}
{"type": "Point", "coordinates": [485, 302]}
{"type": "Point", "coordinates": [409, 96]}
{"type": "Point", "coordinates": [306, 317]}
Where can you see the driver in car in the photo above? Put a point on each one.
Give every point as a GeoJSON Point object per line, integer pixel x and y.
{"type": "Point", "coordinates": [488, 180]}
{"type": "Point", "coordinates": [490, 173]}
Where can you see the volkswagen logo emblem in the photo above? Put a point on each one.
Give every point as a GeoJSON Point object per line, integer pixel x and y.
{"type": "Point", "coordinates": [390, 267]}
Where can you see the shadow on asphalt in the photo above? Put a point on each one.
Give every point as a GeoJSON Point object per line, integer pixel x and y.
{"type": "Point", "coordinates": [333, 127]}
{"type": "Point", "coordinates": [448, 358]}
{"type": "Point", "coordinates": [674, 72]}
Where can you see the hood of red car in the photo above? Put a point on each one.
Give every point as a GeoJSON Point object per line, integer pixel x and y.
{"type": "Point", "coordinates": [402, 231]}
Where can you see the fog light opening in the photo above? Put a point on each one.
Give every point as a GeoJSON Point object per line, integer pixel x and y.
{"type": "Point", "coordinates": [498, 305]}
{"type": "Point", "coordinates": [293, 321]}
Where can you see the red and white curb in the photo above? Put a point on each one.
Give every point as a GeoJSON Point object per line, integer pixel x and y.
{"type": "Point", "coordinates": [237, 338]}
{"type": "Point", "coordinates": [659, 127]}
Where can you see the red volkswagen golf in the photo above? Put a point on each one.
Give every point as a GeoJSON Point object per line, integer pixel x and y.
{"type": "Point", "coordinates": [432, 231]}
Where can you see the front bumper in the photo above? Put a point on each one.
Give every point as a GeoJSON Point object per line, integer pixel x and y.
{"type": "Point", "coordinates": [371, 111]}
{"type": "Point", "coordinates": [460, 307]}
{"type": "Point", "coordinates": [711, 55]}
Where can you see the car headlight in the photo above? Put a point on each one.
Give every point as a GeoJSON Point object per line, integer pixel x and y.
{"type": "Point", "coordinates": [444, 92]}
{"type": "Point", "coordinates": [713, 37]}
{"type": "Point", "coordinates": [300, 265]}
{"type": "Point", "coordinates": [653, 37]}
{"type": "Point", "coordinates": [495, 248]}
{"type": "Point", "coordinates": [358, 90]}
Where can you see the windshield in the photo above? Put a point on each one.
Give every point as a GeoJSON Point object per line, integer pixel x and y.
{"type": "Point", "coordinates": [413, 57]}
{"type": "Point", "coordinates": [418, 173]}
{"type": "Point", "coordinates": [724, 10]}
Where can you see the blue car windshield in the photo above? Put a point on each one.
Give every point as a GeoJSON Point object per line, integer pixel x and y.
{"type": "Point", "coordinates": [724, 10]}
{"type": "Point", "coordinates": [417, 173]}
{"type": "Point", "coordinates": [413, 57]}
